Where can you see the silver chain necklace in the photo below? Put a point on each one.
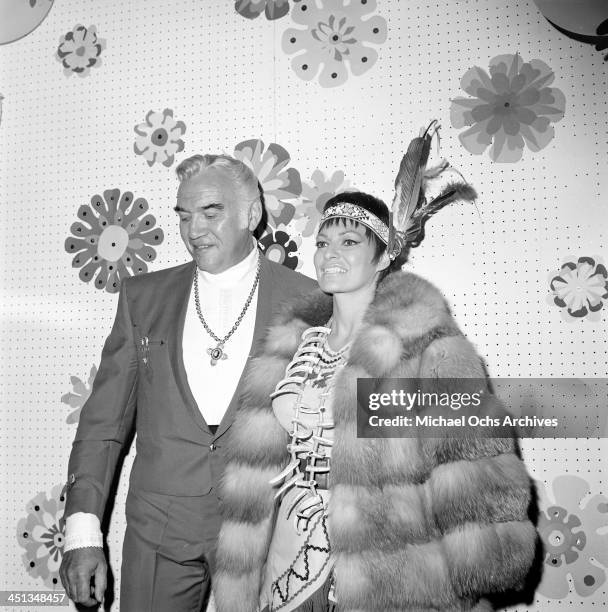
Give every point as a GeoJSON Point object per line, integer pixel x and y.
{"type": "Point", "coordinates": [218, 352]}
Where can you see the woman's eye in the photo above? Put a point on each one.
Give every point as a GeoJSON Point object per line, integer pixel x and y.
{"type": "Point", "coordinates": [320, 244]}
{"type": "Point", "coordinates": [350, 242]}
{"type": "Point", "coordinates": [184, 219]}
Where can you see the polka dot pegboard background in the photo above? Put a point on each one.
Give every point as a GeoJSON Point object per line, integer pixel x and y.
{"type": "Point", "coordinates": [112, 95]}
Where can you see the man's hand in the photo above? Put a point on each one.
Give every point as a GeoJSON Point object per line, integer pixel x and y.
{"type": "Point", "coordinates": [77, 568]}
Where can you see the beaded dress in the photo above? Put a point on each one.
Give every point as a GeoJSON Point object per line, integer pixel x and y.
{"type": "Point", "coordinates": [299, 565]}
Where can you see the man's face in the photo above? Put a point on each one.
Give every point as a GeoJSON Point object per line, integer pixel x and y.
{"type": "Point", "coordinates": [214, 223]}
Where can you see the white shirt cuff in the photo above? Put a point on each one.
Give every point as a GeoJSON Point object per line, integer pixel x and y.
{"type": "Point", "coordinates": [82, 529]}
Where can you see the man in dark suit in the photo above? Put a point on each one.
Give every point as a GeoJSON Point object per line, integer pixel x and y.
{"type": "Point", "coordinates": [171, 369]}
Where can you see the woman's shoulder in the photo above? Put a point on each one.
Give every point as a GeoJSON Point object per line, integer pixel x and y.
{"type": "Point", "coordinates": [408, 304]}
{"type": "Point", "coordinates": [406, 288]}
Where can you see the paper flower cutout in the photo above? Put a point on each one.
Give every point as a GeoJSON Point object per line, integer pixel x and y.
{"type": "Point", "coordinates": [579, 288]}
{"type": "Point", "coordinates": [512, 107]}
{"type": "Point", "coordinates": [159, 138]}
{"type": "Point", "coordinates": [570, 537]}
{"type": "Point", "coordinates": [274, 9]}
{"type": "Point", "coordinates": [281, 185]}
{"type": "Point", "coordinates": [281, 248]}
{"type": "Point", "coordinates": [79, 50]}
{"type": "Point", "coordinates": [81, 394]}
{"type": "Point", "coordinates": [41, 533]}
{"type": "Point", "coordinates": [315, 194]}
{"type": "Point", "coordinates": [334, 36]}
{"type": "Point", "coordinates": [115, 239]}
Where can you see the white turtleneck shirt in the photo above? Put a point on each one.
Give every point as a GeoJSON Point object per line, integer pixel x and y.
{"type": "Point", "coordinates": [222, 297]}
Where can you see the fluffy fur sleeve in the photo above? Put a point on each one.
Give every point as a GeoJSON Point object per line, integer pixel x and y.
{"type": "Point", "coordinates": [478, 493]}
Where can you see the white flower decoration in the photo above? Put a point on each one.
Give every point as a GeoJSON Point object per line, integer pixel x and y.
{"type": "Point", "coordinates": [159, 138]}
{"type": "Point", "coordinates": [80, 50]}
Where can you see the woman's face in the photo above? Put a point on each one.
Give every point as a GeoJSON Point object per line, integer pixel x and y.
{"type": "Point", "coordinates": [343, 259]}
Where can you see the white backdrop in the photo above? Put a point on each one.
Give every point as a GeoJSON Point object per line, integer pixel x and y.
{"type": "Point", "coordinates": [66, 137]}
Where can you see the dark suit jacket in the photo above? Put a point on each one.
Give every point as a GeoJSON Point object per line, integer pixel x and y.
{"type": "Point", "coordinates": [145, 385]}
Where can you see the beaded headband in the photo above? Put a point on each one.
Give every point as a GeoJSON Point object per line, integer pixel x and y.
{"type": "Point", "coordinates": [359, 214]}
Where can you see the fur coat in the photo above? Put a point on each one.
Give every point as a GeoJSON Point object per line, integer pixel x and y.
{"type": "Point", "coordinates": [417, 525]}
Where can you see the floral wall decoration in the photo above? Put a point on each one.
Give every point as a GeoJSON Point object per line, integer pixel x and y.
{"type": "Point", "coordinates": [280, 247]}
{"type": "Point", "coordinates": [77, 398]}
{"type": "Point", "coordinates": [112, 237]}
{"type": "Point", "coordinates": [570, 529]}
{"type": "Point", "coordinates": [315, 193]}
{"type": "Point", "coordinates": [1, 98]}
{"type": "Point", "coordinates": [293, 206]}
{"type": "Point", "coordinates": [273, 9]}
{"type": "Point", "coordinates": [511, 108]}
{"type": "Point", "coordinates": [79, 50]}
{"type": "Point", "coordinates": [282, 186]}
{"type": "Point", "coordinates": [282, 194]}
{"type": "Point", "coordinates": [159, 138]}
{"type": "Point", "coordinates": [336, 37]}
{"type": "Point", "coordinates": [41, 533]}
{"type": "Point", "coordinates": [579, 288]}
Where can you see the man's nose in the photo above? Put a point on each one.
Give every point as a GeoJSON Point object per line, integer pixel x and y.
{"type": "Point", "coordinates": [198, 226]}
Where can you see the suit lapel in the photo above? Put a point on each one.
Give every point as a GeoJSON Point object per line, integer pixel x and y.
{"type": "Point", "coordinates": [179, 297]}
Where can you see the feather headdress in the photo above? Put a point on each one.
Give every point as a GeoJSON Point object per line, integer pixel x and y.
{"type": "Point", "coordinates": [411, 209]}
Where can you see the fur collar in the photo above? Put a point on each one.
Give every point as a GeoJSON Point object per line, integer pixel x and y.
{"type": "Point", "coordinates": [405, 309]}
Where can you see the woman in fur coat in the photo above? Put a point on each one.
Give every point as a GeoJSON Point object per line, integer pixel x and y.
{"type": "Point", "coordinates": [316, 518]}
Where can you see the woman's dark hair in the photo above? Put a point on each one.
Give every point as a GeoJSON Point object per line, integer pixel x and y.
{"type": "Point", "coordinates": [376, 207]}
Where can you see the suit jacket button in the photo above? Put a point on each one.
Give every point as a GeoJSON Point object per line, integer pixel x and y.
{"type": "Point", "coordinates": [212, 447]}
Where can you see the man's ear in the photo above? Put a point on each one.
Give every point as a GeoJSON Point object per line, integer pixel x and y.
{"type": "Point", "coordinates": [384, 262]}
{"type": "Point", "coordinates": [255, 214]}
